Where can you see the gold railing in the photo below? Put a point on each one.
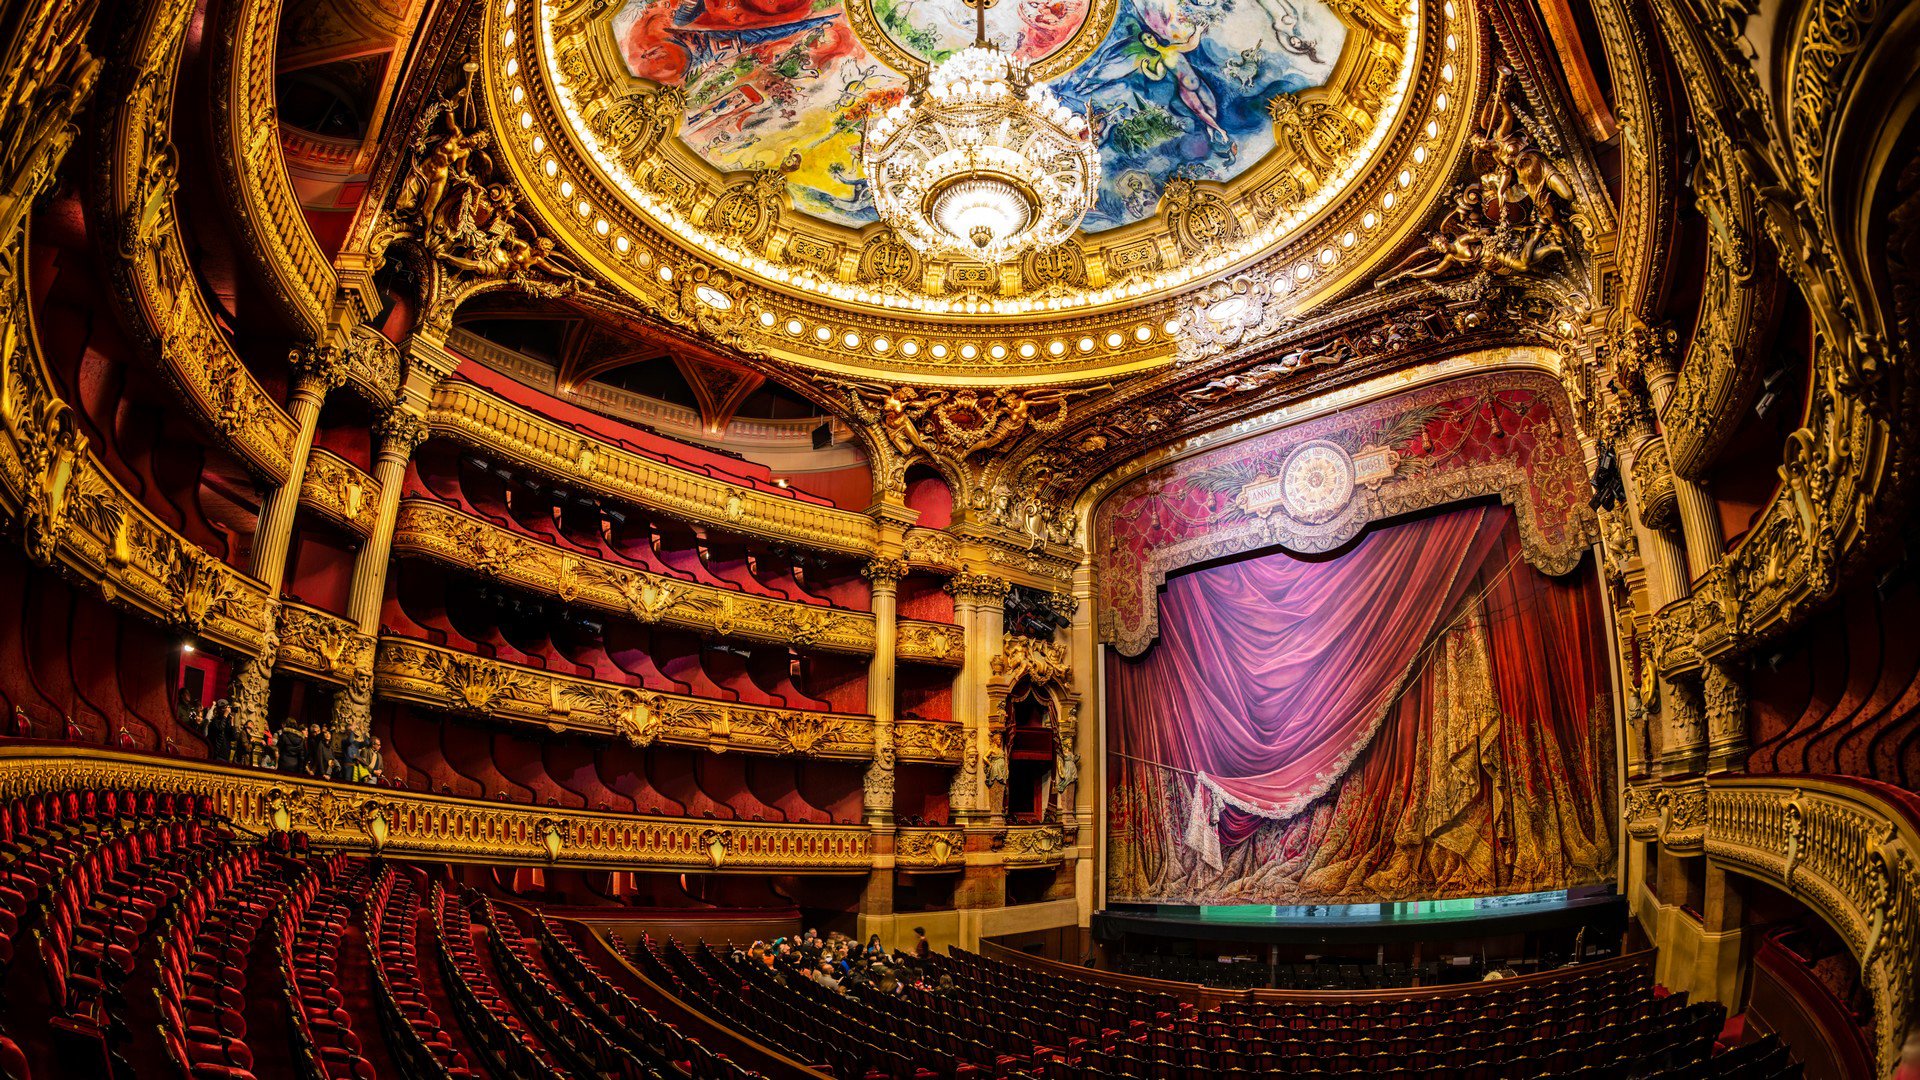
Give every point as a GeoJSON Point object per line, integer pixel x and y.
{"type": "Point", "coordinates": [475, 416]}
{"type": "Point", "coordinates": [359, 817]}
{"type": "Point", "coordinates": [340, 492]}
{"type": "Point", "coordinates": [442, 678]}
{"type": "Point", "coordinates": [454, 538]}
{"type": "Point", "coordinates": [254, 171]}
{"type": "Point", "coordinates": [1847, 851]}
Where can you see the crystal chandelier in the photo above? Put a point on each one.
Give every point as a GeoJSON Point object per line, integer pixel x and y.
{"type": "Point", "coordinates": [978, 161]}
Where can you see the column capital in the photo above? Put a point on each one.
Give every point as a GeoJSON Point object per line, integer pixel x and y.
{"type": "Point", "coordinates": [401, 429]}
{"type": "Point", "coordinates": [969, 584]}
{"type": "Point", "coordinates": [318, 369]}
{"type": "Point", "coordinates": [884, 571]}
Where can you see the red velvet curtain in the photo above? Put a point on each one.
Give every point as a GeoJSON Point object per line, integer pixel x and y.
{"type": "Point", "coordinates": [1414, 716]}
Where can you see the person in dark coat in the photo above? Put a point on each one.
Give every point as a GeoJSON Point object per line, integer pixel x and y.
{"type": "Point", "coordinates": [320, 759]}
{"type": "Point", "coordinates": [292, 745]}
{"type": "Point", "coordinates": [219, 732]}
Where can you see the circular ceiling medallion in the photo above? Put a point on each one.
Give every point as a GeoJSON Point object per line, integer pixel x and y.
{"type": "Point", "coordinates": [1317, 482]}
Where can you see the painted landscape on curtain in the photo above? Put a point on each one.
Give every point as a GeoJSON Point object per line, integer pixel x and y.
{"type": "Point", "coordinates": [1174, 87]}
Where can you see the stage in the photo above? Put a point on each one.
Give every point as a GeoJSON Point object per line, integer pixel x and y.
{"type": "Point", "coordinates": [1597, 907]}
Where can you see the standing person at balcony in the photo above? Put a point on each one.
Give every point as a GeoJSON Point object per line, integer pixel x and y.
{"type": "Point", "coordinates": [321, 762]}
{"type": "Point", "coordinates": [292, 746]}
{"type": "Point", "coordinates": [921, 948]}
{"type": "Point", "coordinates": [368, 765]}
{"type": "Point", "coordinates": [220, 732]}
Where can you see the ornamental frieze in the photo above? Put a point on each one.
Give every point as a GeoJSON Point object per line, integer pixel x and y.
{"type": "Point", "coordinates": [407, 824]}
{"type": "Point", "coordinates": [931, 549]}
{"type": "Point", "coordinates": [483, 420]}
{"type": "Point", "coordinates": [339, 491]}
{"type": "Point", "coordinates": [1034, 845]}
{"type": "Point", "coordinates": [929, 849]}
{"type": "Point", "coordinates": [938, 742]}
{"type": "Point", "coordinates": [430, 675]}
{"type": "Point", "coordinates": [321, 644]}
{"type": "Point", "coordinates": [1313, 486]}
{"type": "Point", "coordinates": [446, 535]}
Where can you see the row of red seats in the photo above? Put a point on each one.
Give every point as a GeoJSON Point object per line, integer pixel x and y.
{"type": "Point", "coordinates": [570, 1033]}
{"type": "Point", "coordinates": [640, 1028]}
{"type": "Point", "coordinates": [413, 1028]}
{"type": "Point", "coordinates": [308, 932]}
{"type": "Point", "coordinates": [202, 967]}
{"type": "Point", "coordinates": [484, 1013]}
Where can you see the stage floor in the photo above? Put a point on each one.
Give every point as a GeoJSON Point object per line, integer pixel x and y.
{"type": "Point", "coordinates": [1406, 921]}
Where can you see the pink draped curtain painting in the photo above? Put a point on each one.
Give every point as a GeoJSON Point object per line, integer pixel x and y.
{"type": "Point", "coordinates": [1274, 678]}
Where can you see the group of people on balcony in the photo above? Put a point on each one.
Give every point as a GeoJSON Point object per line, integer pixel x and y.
{"type": "Point", "coordinates": [323, 751]}
{"type": "Point", "coordinates": [841, 963]}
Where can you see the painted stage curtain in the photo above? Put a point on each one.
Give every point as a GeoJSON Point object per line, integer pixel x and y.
{"type": "Point", "coordinates": [1420, 715]}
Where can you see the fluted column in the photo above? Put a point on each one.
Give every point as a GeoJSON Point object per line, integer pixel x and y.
{"type": "Point", "coordinates": [1723, 687]}
{"type": "Point", "coordinates": [1651, 499]}
{"type": "Point", "coordinates": [979, 606]}
{"type": "Point", "coordinates": [317, 370]}
{"type": "Point", "coordinates": [885, 574]}
{"type": "Point", "coordinates": [400, 430]}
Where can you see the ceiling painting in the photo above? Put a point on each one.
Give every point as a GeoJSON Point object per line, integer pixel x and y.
{"type": "Point", "coordinates": [1173, 87]}
{"type": "Point", "coordinates": [769, 84]}
{"type": "Point", "coordinates": [1182, 88]}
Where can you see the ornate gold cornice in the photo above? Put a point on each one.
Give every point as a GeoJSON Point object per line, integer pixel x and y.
{"type": "Point", "coordinates": [71, 512]}
{"type": "Point", "coordinates": [474, 416]}
{"type": "Point", "coordinates": [358, 817]}
{"type": "Point", "coordinates": [253, 170]}
{"type": "Point", "coordinates": [442, 678]}
{"type": "Point", "coordinates": [135, 198]}
{"type": "Point", "coordinates": [446, 535]}
{"type": "Point", "coordinates": [340, 492]}
{"type": "Point", "coordinates": [1850, 850]}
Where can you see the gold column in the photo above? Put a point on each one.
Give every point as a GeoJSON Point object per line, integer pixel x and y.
{"type": "Point", "coordinates": [885, 574]}
{"type": "Point", "coordinates": [1723, 689]}
{"type": "Point", "coordinates": [1652, 499]}
{"type": "Point", "coordinates": [317, 370]}
{"type": "Point", "coordinates": [978, 603]}
{"type": "Point", "coordinates": [400, 430]}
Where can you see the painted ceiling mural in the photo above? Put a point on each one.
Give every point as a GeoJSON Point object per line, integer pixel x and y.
{"type": "Point", "coordinates": [1173, 87]}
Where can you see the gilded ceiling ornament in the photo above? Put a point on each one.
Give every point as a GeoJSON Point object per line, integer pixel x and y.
{"type": "Point", "coordinates": [956, 424]}
{"type": "Point", "coordinates": [633, 124]}
{"type": "Point", "coordinates": [464, 213]}
{"type": "Point", "coordinates": [1509, 219]}
{"type": "Point", "coordinates": [746, 211]}
{"type": "Point", "coordinates": [1199, 216]}
{"type": "Point", "coordinates": [1321, 136]}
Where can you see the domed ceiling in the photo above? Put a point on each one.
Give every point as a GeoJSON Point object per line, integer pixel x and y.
{"type": "Point", "coordinates": [1258, 155]}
